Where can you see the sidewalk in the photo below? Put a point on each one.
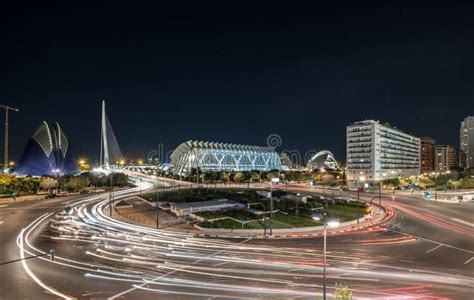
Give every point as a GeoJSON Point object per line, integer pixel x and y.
{"type": "Point", "coordinates": [6, 201]}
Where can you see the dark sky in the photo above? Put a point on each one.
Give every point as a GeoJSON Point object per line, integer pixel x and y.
{"type": "Point", "coordinates": [234, 72]}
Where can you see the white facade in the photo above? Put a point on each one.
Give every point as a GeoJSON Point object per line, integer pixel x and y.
{"type": "Point", "coordinates": [467, 140]}
{"type": "Point", "coordinates": [216, 157]}
{"type": "Point", "coordinates": [376, 152]}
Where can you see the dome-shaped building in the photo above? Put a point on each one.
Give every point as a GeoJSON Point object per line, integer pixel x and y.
{"type": "Point", "coordinates": [47, 152]}
{"type": "Point", "coordinates": [323, 160]}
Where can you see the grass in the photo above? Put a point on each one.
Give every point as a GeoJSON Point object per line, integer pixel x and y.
{"type": "Point", "coordinates": [236, 214]}
{"type": "Point", "coordinates": [122, 203]}
{"type": "Point", "coordinates": [231, 224]}
{"type": "Point", "coordinates": [345, 212]}
{"type": "Point", "coordinates": [340, 209]}
{"type": "Point", "coordinates": [294, 221]}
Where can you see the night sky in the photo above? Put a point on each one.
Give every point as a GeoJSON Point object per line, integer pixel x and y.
{"type": "Point", "coordinates": [236, 72]}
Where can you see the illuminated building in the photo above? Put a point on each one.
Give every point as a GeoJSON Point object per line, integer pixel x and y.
{"type": "Point", "coordinates": [209, 156]}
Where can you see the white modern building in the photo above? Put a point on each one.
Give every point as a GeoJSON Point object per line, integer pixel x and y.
{"type": "Point", "coordinates": [323, 160]}
{"type": "Point", "coordinates": [215, 157]}
{"type": "Point", "coordinates": [467, 140]}
{"type": "Point", "coordinates": [377, 151]}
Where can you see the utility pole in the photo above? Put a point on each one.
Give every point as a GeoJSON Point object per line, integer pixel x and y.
{"type": "Point", "coordinates": [5, 153]}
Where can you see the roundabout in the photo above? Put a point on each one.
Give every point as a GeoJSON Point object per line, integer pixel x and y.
{"type": "Point", "coordinates": [108, 258]}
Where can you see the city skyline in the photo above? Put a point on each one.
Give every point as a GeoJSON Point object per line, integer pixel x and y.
{"type": "Point", "coordinates": [198, 150]}
{"type": "Point", "coordinates": [301, 74]}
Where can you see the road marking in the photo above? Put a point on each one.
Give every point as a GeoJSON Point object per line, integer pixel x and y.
{"type": "Point", "coordinates": [440, 245]}
{"type": "Point", "coordinates": [177, 270]}
{"type": "Point", "coordinates": [463, 222]}
{"type": "Point", "coordinates": [467, 261]}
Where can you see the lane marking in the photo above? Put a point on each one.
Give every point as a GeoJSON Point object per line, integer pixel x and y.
{"type": "Point", "coordinates": [142, 286]}
{"type": "Point", "coordinates": [463, 222]}
{"type": "Point", "coordinates": [467, 261]}
{"type": "Point", "coordinates": [440, 245]}
{"type": "Point", "coordinates": [27, 268]}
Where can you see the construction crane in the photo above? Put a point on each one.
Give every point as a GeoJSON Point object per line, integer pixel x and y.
{"type": "Point", "coordinates": [5, 153]}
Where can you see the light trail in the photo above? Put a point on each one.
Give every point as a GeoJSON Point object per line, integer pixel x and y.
{"type": "Point", "coordinates": [146, 258]}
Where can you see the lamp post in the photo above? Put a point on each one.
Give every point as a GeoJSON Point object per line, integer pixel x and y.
{"type": "Point", "coordinates": [271, 208]}
{"type": "Point", "coordinates": [56, 171]}
{"type": "Point", "coordinates": [331, 223]}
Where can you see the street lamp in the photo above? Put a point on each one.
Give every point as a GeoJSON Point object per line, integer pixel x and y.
{"type": "Point", "coordinates": [56, 171]}
{"type": "Point", "coordinates": [271, 208]}
{"type": "Point", "coordinates": [333, 223]}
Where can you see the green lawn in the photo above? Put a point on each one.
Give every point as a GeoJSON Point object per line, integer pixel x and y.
{"type": "Point", "coordinates": [341, 210]}
{"type": "Point", "coordinates": [294, 221]}
{"type": "Point", "coordinates": [122, 203]}
{"type": "Point", "coordinates": [231, 224]}
{"type": "Point", "coordinates": [236, 214]}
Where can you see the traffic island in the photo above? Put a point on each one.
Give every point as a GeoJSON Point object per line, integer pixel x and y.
{"type": "Point", "coordinates": [245, 212]}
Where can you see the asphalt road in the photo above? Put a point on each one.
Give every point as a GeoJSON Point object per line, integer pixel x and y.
{"type": "Point", "coordinates": [431, 257]}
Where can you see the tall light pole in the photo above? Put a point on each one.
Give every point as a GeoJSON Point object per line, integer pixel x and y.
{"type": "Point", "coordinates": [5, 153]}
{"type": "Point", "coordinates": [56, 171]}
{"type": "Point", "coordinates": [271, 208]}
{"type": "Point", "coordinates": [330, 223]}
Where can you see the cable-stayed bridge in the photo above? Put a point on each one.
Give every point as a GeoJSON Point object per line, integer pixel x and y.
{"type": "Point", "coordinates": [110, 153]}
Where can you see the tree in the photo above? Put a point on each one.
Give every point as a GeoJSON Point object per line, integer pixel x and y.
{"type": "Point", "coordinates": [426, 182]}
{"type": "Point", "coordinates": [120, 179]}
{"type": "Point", "coordinates": [210, 176]}
{"type": "Point", "coordinates": [255, 177]}
{"type": "Point", "coordinates": [342, 292]}
{"type": "Point", "coordinates": [239, 177]}
{"type": "Point", "coordinates": [47, 183]}
{"type": "Point", "coordinates": [78, 183]}
{"type": "Point", "coordinates": [328, 179]}
{"type": "Point", "coordinates": [467, 183]}
{"type": "Point", "coordinates": [224, 177]}
{"type": "Point", "coordinates": [454, 184]}
{"type": "Point", "coordinates": [393, 182]}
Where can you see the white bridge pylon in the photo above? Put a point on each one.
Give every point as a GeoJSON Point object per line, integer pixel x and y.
{"type": "Point", "coordinates": [110, 151]}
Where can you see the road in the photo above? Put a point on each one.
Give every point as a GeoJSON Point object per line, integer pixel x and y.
{"type": "Point", "coordinates": [98, 257]}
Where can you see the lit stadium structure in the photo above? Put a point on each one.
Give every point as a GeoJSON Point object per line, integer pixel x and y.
{"type": "Point", "coordinates": [323, 160]}
{"type": "Point", "coordinates": [208, 156]}
{"type": "Point", "coordinates": [47, 152]}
